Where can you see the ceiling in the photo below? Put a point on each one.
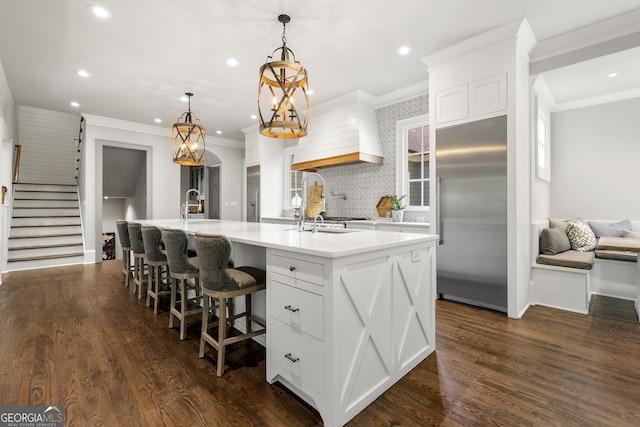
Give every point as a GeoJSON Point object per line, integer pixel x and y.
{"type": "Point", "coordinates": [151, 52]}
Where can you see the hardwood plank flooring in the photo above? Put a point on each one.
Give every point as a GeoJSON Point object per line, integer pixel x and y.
{"type": "Point", "coordinates": [74, 336]}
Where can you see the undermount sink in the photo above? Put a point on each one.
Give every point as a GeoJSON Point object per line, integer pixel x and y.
{"type": "Point", "coordinates": [334, 230]}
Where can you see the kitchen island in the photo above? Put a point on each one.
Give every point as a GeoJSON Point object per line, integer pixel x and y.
{"type": "Point", "coordinates": [348, 314]}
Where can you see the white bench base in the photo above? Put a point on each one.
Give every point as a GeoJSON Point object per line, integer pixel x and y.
{"type": "Point", "coordinates": [561, 287]}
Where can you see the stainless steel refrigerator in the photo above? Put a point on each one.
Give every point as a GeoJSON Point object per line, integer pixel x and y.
{"type": "Point", "coordinates": [471, 213]}
{"type": "Point", "coordinates": [253, 194]}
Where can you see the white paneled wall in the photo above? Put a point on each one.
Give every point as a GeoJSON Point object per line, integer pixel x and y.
{"type": "Point", "coordinates": [48, 145]}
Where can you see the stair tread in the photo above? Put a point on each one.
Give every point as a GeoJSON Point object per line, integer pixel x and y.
{"type": "Point", "coordinates": [35, 258]}
{"type": "Point", "coordinates": [44, 225]}
{"type": "Point", "coordinates": [58, 245]}
{"type": "Point", "coordinates": [46, 235]}
{"type": "Point", "coordinates": [57, 216]}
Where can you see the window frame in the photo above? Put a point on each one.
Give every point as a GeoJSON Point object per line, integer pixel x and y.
{"type": "Point", "coordinates": [402, 173]}
{"type": "Point", "coordinates": [287, 158]}
{"type": "Point", "coordinates": [543, 146]}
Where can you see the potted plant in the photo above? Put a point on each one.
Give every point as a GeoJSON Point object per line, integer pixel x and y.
{"type": "Point", "coordinates": [397, 207]}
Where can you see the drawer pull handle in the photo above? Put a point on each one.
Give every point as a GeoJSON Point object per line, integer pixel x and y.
{"type": "Point", "coordinates": [292, 358]}
{"type": "Point", "coordinates": [292, 268]}
{"type": "Point", "coordinates": [291, 309]}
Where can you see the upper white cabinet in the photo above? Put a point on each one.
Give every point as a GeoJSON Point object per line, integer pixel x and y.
{"type": "Point", "coordinates": [472, 100]}
{"type": "Point", "coordinates": [452, 104]}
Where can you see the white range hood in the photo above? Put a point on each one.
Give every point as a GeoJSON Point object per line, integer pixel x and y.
{"type": "Point", "coordinates": [340, 132]}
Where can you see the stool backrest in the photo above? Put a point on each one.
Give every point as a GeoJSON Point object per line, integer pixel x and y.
{"type": "Point", "coordinates": [213, 259]}
{"type": "Point", "coordinates": [151, 238]}
{"type": "Point", "coordinates": [175, 244]}
{"type": "Point", "coordinates": [123, 233]}
{"type": "Point", "coordinates": [135, 237]}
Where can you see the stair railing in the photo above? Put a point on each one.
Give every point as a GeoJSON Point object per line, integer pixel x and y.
{"type": "Point", "coordinates": [16, 164]}
{"type": "Point", "coordinates": [79, 148]}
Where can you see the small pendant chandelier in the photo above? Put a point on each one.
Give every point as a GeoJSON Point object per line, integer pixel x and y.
{"type": "Point", "coordinates": [188, 139]}
{"type": "Point", "coordinates": [283, 100]}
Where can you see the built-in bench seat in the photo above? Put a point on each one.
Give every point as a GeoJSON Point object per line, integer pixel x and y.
{"type": "Point", "coordinates": [566, 280]}
{"type": "Point", "coordinates": [569, 259]}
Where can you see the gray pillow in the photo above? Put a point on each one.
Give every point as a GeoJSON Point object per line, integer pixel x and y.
{"type": "Point", "coordinates": [632, 234]}
{"type": "Point", "coordinates": [554, 241]}
{"type": "Point", "coordinates": [581, 236]}
{"type": "Point", "coordinates": [558, 223]}
{"type": "Point", "coordinates": [601, 229]}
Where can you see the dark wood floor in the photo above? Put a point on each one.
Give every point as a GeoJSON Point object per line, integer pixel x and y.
{"type": "Point", "coordinates": [75, 337]}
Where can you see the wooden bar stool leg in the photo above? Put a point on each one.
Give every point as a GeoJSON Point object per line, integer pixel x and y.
{"type": "Point", "coordinates": [183, 308]}
{"type": "Point", "coordinates": [172, 305]}
{"type": "Point", "coordinates": [247, 303]}
{"type": "Point", "coordinates": [222, 333]}
{"type": "Point", "coordinates": [205, 324]}
{"type": "Point", "coordinates": [152, 276]}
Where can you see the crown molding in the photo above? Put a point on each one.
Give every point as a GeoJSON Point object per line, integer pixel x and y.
{"type": "Point", "coordinates": [600, 32]}
{"type": "Point", "coordinates": [126, 125]}
{"type": "Point", "coordinates": [597, 100]}
{"type": "Point", "coordinates": [518, 30]}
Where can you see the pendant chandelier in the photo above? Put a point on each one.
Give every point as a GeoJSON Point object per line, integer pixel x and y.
{"type": "Point", "coordinates": [188, 139]}
{"type": "Point", "coordinates": [283, 100]}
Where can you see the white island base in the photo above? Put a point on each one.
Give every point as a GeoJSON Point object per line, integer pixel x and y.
{"type": "Point", "coordinates": [343, 330]}
{"type": "Point", "coordinates": [347, 314]}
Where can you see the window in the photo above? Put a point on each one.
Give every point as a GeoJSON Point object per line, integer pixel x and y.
{"type": "Point", "coordinates": [542, 144]}
{"type": "Point", "coordinates": [293, 181]}
{"type": "Point", "coordinates": [413, 162]}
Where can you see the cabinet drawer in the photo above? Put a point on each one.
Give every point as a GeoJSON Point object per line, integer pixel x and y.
{"type": "Point", "coordinates": [300, 363]}
{"type": "Point", "coordinates": [304, 270]}
{"type": "Point", "coordinates": [301, 310]}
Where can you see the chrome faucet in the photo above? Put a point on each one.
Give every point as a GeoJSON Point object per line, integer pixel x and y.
{"type": "Point", "coordinates": [186, 202]}
{"type": "Point", "coordinates": [303, 205]}
{"type": "Point", "coordinates": [315, 224]}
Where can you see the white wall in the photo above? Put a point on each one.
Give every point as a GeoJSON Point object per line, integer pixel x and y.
{"type": "Point", "coordinates": [594, 162]}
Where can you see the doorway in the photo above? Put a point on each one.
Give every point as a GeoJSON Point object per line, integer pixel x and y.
{"type": "Point", "coordinates": [213, 211]}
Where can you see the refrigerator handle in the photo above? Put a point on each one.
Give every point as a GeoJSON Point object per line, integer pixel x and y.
{"type": "Point", "coordinates": [440, 224]}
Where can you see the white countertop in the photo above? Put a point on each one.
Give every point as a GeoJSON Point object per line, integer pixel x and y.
{"type": "Point", "coordinates": [287, 237]}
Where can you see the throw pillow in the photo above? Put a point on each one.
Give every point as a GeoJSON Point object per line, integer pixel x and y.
{"type": "Point", "coordinates": [601, 229]}
{"type": "Point", "coordinates": [553, 241]}
{"type": "Point", "coordinates": [581, 236]}
{"type": "Point", "coordinates": [632, 234]}
{"type": "Point", "coordinates": [558, 223]}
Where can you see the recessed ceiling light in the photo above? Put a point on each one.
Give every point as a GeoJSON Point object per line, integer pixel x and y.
{"type": "Point", "coordinates": [83, 73]}
{"type": "Point", "coordinates": [74, 104]}
{"type": "Point", "coordinates": [100, 11]}
{"type": "Point", "coordinates": [219, 132]}
{"type": "Point", "coordinates": [404, 50]}
{"type": "Point", "coordinates": [310, 92]}
{"type": "Point", "coordinates": [253, 116]}
{"type": "Point", "coordinates": [614, 74]}
{"type": "Point", "coordinates": [157, 120]}
{"type": "Point", "coordinates": [184, 99]}
{"type": "Point", "coordinates": [232, 62]}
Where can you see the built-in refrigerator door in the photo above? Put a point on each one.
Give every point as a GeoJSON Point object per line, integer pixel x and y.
{"type": "Point", "coordinates": [471, 213]}
{"type": "Point", "coordinates": [253, 194]}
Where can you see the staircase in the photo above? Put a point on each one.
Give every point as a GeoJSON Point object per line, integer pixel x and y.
{"type": "Point", "coordinates": [45, 227]}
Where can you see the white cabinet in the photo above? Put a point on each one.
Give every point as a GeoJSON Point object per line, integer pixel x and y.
{"type": "Point", "coordinates": [472, 100]}
{"type": "Point", "coordinates": [342, 330]}
{"type": "Point", "coordinates": [452, 104]}
{"type": "Point", "coordinates": [295, 313]}
{"type": "Point", "coordinates": [406, 227]}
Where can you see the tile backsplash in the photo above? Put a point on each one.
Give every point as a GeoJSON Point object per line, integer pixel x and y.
{"type": "Point", "coordinates": [363, 184]}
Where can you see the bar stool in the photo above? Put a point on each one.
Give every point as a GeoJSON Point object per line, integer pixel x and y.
{"type": "Point", "coordinates": [223, 283]}
{"type": "Point", "coordinates": [139, 264]}
{"type": "Point", "coordinates": [182, 269]}
{"type": "Point", "coordinates": [123, 235]}
{"type": "Point", "coordinates": [158, 266]}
